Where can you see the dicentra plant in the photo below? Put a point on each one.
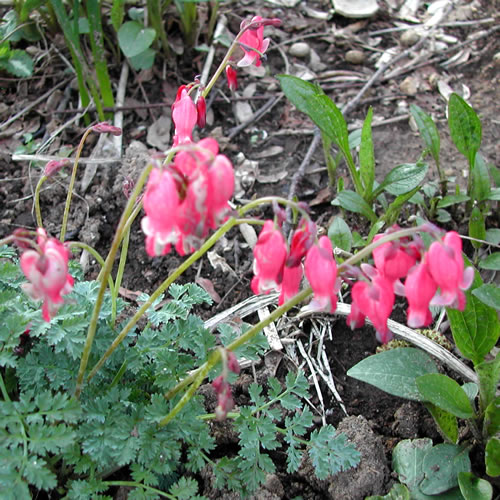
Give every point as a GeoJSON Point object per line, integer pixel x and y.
{"type": "Point", "coordinates": [97, 394]}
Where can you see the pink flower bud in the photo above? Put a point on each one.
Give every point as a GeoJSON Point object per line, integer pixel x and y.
{"type": "Point", "coordinates": [232, 78]}
{"type": "Point", "coordinates": [232, 362]}
{"type": "Point", "coordinates": [201, 109]}
{"type": "Point", "coordinates": [106, 128]}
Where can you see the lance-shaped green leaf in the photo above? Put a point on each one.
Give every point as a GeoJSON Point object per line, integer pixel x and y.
{"type": "Point", "coordinates": [489, 295]}
{"type": "Point", "coordinates": [349, 200]}
{"type": "Point", "coordinates": [492, 458]}
{"type": "Point", "coordinates": [395, 371]}
{"type": "Point", "coordinates": [367, 156]}
{"type": "Point", "coordinates": [340, 234]}
{"type": "Point", "coordinates": [473, 488]}
{"type": "Point", "coordinates": [476, 328]}
{"type": "Point", "coordinates": [492, 417]}
{"type": "Point", "coordinates": [481, 183]}
{"type": "Point", "coordinates": [465, 127]}
{"type": "Point", "coordinates": [477, 227]}
{"type": "Point", "coordinates": [428, 131]}
{"type": "Point", "coordinates": [446, 422]}
{"type": "Point", "coordinates": [402, 179]}
{"type": "Point", "coordinates": [445, 393]}
{"type": "Point", "coordinates": [452, 199]}
{"type": "Point", "coordinates": [489, 377]}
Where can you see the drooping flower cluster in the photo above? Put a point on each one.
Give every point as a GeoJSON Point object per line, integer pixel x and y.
{"type": "Point", "coordinates": [433, 277]}
{"type": "Point", "coordinates": [47, 272]}
{"type": "Point", "coordinates": [186, 199]}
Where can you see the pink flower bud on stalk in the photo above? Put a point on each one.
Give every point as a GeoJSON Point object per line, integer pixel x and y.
{"type": "Point", "coordinates": [47, 273]}
{"type": "Point", "coordinates": [106, 128]}
{"type": "Point", "coordinates": [232, 78]}
{"type": "Point", "coordinates": [53, 166]}
{"type": "Point", "coordinates": [201, 109]}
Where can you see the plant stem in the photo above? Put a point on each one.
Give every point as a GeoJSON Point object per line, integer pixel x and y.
{"type": "Point", "coordinates": [72, 185]}
{"type": "Point", "coordinates": [119, 273]}
{"type": "Point", "coordinates": [3, 388]}
{"type": "Point", "coordinates": [38, 211]}
{"type": "Point", "coordinates": [108, 265]}
{"type": "Point", "coordinates": [140, 485]}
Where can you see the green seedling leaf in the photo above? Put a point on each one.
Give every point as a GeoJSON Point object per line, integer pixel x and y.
{"type": "Point", "coordinates": [473, 488]}
{"type": "Point", "coordinates": [492, 417]}
{"type": "Point", "coordinates": [144, 60]}
{"type": "Point", "coordinates": [491, 262]}
{"type": "Point", "coordinates": [476, 328]}
{"type": "Point", "coordinates": [481, 184]}
{"type": "Point", "coordinates": [407, 459]}
{"type": "Point", "coordinates": [494, 195]}
{"type": "Point", "coordinates": [403, 178]}
{"type": "Point", "coordinates": [493, 236]}
{"type": "Point", "coordinates": [134, 38]}
{"type": "Point", "coordinates": [446, 422]}
{"type": "Point", "coordinates": [367, 156]}
{"type": "Point", "coordinates": [349, 200]}
{"type": "Point", "coordinates": [489, 376]}
{"type": "Point", "coordinates": [445, 393]}
{"type": "Point", "coordinates": [477, 227]}
{"type": "Point", "coordinates": [340, 234]}
{"type": "Point", "coordinates": [428, 130]}
{"type": "Point", "coordinates": [489, 295]}
{"type": "Point", "coordinates": [472, 390]}
{"type": "Point", "coordinates": [117, 13]}
{"type": "Point", "coordinates": [492, 457]}
{"type": "Point", "coordinates": [452, 199]}
{"type": "Point", "coordinates": [465, 127]}
{"type": "Point", "coordinates": [19, 64]}
{"type": "Point", "coordinates": [441, 466]}
{"type": "Point", "coordinates": [355, 138]}
{"type": "Point", "coordinates": [395, 371]}
{"type": "Point", "coordinates": [398, 492]}
{"type": "Point", "coordinates": [443, 216]}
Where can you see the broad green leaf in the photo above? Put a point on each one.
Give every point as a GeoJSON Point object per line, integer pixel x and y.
{"type": "Point", "coordinates": [367, 156]}
{"type": "Point", "coordinates": [407, 459]}
{"type": "Point", "coordinates": [398, 492]}
{"type": "Point", "coordinates": [492, 417]}
{"type": "Point", "coordinates": [491, 262]}
{"type": "Point", "coordinates": [493, 236]}
{"type": "Point", "coordinates": [489, 377]}
{"type": "Point", "coordinates": [340, 234]}
{"type": "Point", "coordinates": [494, 194]}
{"type": "Point", "coordinates": [144, 60]}
{"type": "Point", "coordinates": [446, 422]}
{"type": "Point", "coordinates": [403, 178]}
{"type": "Point", "coordinates": [492, 457]}
{"type": "Point", "coordinates": [349, 200]}
{"type": "Point", "coordinates": [452, 199]}
{"type": "Point", "coordinates": [441, 466]}
{"type": "Point", "coordinates": [19, 64]}
{"type": "Point", "coordinates": [477, 227]}
{"type": "Point", "coordinates": [445, 393]}
{"type": "Point", "coordinates": [465, 127]}
{"type": "Point", "coordinates": [481, 184]}
{"type": "Point", "coordinates": [476, 328]}
{"type": "Point", "coordinates": [134, 38]}
{"type": "Point", "coordinates": [472, 390]}
{"type": "Point", "coordinates": [428, 130]}
{"type": "Point", "coordinates": [395, 371]}
{"type": "Point", "coordinates": [473, 488]}
{"type": "Point", "coordinates": [489, 295]}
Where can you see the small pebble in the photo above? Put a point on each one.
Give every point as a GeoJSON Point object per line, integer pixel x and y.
{"type": "Point", "coordinates": [409, 86]}
{"type": "Point", "coordinates": [496, 59]}
{"type": "Point", "coordinates": [355, 56]}
{"type": "Point", "coordinates": [300, 49]}
{"type": "Point", "coordinates": [409, 38]}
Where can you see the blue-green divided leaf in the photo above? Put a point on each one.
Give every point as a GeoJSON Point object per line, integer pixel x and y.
{"type": "Point", "coordinates": [465, 127]}
{"type": "Point", "coordinates": [395, 371]}
{"type": "Point", "coordinates": [398, 492]}
{"type": "Point", "coordinates": [428, 130]}
{"type": "Point", "coordinates": [403, 178]}
{"type": "Point", "coordinates": [492, 458]}
{"type": "Point", "coordinates": [446, 422]}
{"type": "Point", "coordinates": [473, 488]}
{"type": "Point", "coordinates": [491, 262]}
{"type": "Point", "coordinates": [452, 199]}
{"type": "Point", "coordinates": [476, 328]}
{"type": "Point", "coordinates": [349, 200]}
{"type": "Point", "coordinates": [367, 156]}
{"type": "Point", "coordinates": [445, 393]}
{"type": "Point", "coordinates": [441, 466]}
{"type": "Point", "coordinates": [134, 38]}
{"type": "Point", "coordinates": [489, 295]}
{"type": "Point", "coordinates": [340, 234]}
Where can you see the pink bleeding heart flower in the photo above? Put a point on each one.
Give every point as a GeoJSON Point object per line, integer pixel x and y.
{"type": "Point", "coordinates": [394, 258]}
{"type": "Point", "coordinates": [302, 239]}
{"type": "Point", "coordinates": [232, 78]}
{"type": "Point", "coordinates": [446, 266]}
{"type": "Point", "coordinates": [184, 116]}
{"type": "Point", "coordinates": [253, 43]}
{"type": "Point", "coordinates": [419, 290]}
{"type": "Point", "coordinates": [160, 202]}
{"type": "Point", "coordinates": [269, 258]}
{"type": "Point", "coordinates": [47, 273]}
{"type": "Point", "coordinates": [321, 272]}
{"type": "Point", "coordinates": [221, 188]}
{"type": "Point", "coordinates": [373, 300]}
{"type": "Point", "coordinates": [292, 276]}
